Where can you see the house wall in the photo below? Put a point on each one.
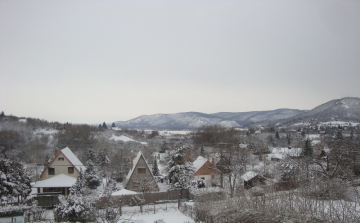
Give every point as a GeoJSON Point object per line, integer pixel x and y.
{"type": "Point", "coordinates": [207, 179]}
{"type": "Point", "coordinates": [206, 172]}
{"type": "Point", "coordinates": [61, 167]}
{"type": "Point", "coordinates": [131, 185]}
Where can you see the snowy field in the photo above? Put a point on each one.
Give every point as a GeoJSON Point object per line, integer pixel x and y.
{"type": "Point", "coordinates": [170, 133]}
{"type": "Point", "coordinates": [124, 139]}
{"type": "Point", "coordinates": [132, 215]}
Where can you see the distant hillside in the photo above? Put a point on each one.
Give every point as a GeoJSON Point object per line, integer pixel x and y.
{"type": "Point", "coordinates": [245, 118]}
{"type": "Point", "coordinates": [344, 109]}
{"type": "Point", "coordinates": [192, 120]}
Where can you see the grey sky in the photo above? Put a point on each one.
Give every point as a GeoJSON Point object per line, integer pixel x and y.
{"type": "Point", "coordinates": [94, 61]}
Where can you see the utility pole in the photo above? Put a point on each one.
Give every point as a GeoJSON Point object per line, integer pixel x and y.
{"type": "Point", "coordinates": [221, 166]}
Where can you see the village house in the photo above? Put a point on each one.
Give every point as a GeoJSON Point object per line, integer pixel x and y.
{"type": "Point", "coordinates": [140, 177]}
{"type": "Point", "coordinates": [252, 179]}
{"type": "Point", "coordinates": [204, 170]}
{"type": "Point", "coordinates": [61, 173]}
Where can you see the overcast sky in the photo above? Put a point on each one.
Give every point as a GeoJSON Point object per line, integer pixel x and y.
{"type": "Point", "coordinates": [94, 61]}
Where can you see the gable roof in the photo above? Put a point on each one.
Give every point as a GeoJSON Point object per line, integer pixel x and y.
{"type": "Point", "coordinates": [249, 175]}
{"type": "Point", "coordinates": [136, 160]}
{"type": "Point", "coordinates": [71, 157]}
{"type": "Point", "coordinates": [199, 162]}
{"type": "Point", "coordinates": [61, 180]}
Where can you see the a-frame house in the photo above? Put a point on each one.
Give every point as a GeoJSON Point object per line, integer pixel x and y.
{"type": "Point", "coordinates": [140, 177]}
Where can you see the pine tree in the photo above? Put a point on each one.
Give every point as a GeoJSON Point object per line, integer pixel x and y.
{"type": "Point", "coordinates": [91, 179]}
{"type": "Point", "coordinates": [202, 152]}
{"type": "Point", "coordinates": [91, 156]}
{"type": "Point", "coordinates": [277, 136]}
{"type": "Point", "coordinates": [155, 168]}
{"type": "Point", "coordinates": [79, 186]}
{"type": "Point", "coordinates": [104, 125]}
{"type": "Point", "coordinates": [2, 114]}
{"type": "Point", "coordinates": [47, 161]}
{"type": "Point", "coordinates": [14, 180]}
{"type": "Point", "coordinates": [179, 170]}
{"type": "Point", "coordinates": [113, 124]}
{"type": "Point", "coordinates": [308, 150]}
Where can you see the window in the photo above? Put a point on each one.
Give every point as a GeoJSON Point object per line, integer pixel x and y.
{"type": "Point", "coordinates": [61, 159]}
{"type": "Point", "coordinates": [141, 170]}
{"type": "Point", "coordinates": [70, 169]}
{"type": "Point", "coordinates": [51, 171]}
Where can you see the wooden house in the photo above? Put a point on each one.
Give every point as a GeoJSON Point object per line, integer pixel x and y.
{"type": "Point", "coordinates": [204, 170]}
{"type": "Point", "coordinates": [61, 173]}
{"type": "Point", "coordinates": [140, 177]}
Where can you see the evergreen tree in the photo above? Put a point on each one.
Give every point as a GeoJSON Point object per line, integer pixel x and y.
{"type": "Point", "coordinates": [113, 124]}
{"type": "Point", "coordinates": [179, 170]}
{"type": "Point", "coordinates": [351, 135]}
{"type": "Point", "coordinates": [308, 150]}
{"type": "Point", "coordinates": [47, 161]}
{"type": "Point", "coordinates": [339, 136]}
{"type": "Point", "coordinates": [2, 114]}
{"type": "Point", "coordinates": [79, 186]}
{"type": "Point", "coordinates": [14, 180]}
{"type": "Point", "coordinates": [104, 125]}
{"type": "Point", "coordinates": [288, 139]}
{"type": "Point", "coordinates": [91, 156]}
{"type": "Point", "coordinates": [91, 179]}
{"type": "Point", "coordinates": [202, 152]}
{"type": "Point", "coordinates": [277, 136]}
{"type": "Point", "coordinates": [303, 133]}
{"type": "Point", "coordinates": [155, 168]}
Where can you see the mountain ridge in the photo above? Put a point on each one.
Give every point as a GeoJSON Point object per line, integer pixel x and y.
{"type": "Point", "coordinates": [344, 109]}
{"type": "Point", "coordinates": [192, 120]}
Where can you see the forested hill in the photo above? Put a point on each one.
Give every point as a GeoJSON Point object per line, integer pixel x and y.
{"type": "Point", "coordinates": [193, 120]}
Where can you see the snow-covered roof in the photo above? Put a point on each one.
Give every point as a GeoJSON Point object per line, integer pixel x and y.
{"type": "Point", "coordinates": [123, 192]}
{"type": "Point", "coordinates": [60, 180]}
{"type": "Point", "coordinates": [136, 160]}
{"type": "Point", "coordinates": [285, 151]}
{"type": "Point", "coordinates": [199, 162]}
{"type": "Point", "coordinates": [249, 175]}
{"type": "Point", "coordinates": [73, 159]}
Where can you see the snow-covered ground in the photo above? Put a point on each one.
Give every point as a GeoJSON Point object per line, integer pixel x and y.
{"type": "Point", "coordinates": [132, 215]}
{"type": "Point", "coordinates": [46, 131]}
{"type": "Point", "coordinates": [169, 133]}
{"type": "Point", "coordinates": [281, 153]}
{"type": "Point", "coordinates": [338, 123]}
{"type": "Point", "coordinates": [124, 139]}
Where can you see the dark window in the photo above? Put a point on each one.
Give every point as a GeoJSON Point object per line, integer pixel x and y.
{"type": "Point", "coordinates": [51, 171]}
{"type": "Point", "coordinates": [70, 169]}
{"type": "Point", "coordinates": [141, 170]}
{"type": "Point", "coordinates": [61, 159]}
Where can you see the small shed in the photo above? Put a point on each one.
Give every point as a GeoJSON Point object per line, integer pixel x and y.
{"type": "Point", "coordinates": [252, 179]}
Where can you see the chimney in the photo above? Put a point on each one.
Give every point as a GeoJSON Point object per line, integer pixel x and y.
{"type": "Point", "coordinates": [56, 152]}
{"type": "Point", "coordinates": [131, 159]}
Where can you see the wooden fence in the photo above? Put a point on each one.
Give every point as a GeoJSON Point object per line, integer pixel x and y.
{"type": "Point", "coordinates": [151, 198]}
{"type": "Point", "coordinates": [47, 201]}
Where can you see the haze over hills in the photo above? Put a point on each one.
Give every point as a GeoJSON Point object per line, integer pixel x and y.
{"type": "Point", "coordinates": [345, 109]}
{"type": "Point", "coordinates": [192, 120]}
